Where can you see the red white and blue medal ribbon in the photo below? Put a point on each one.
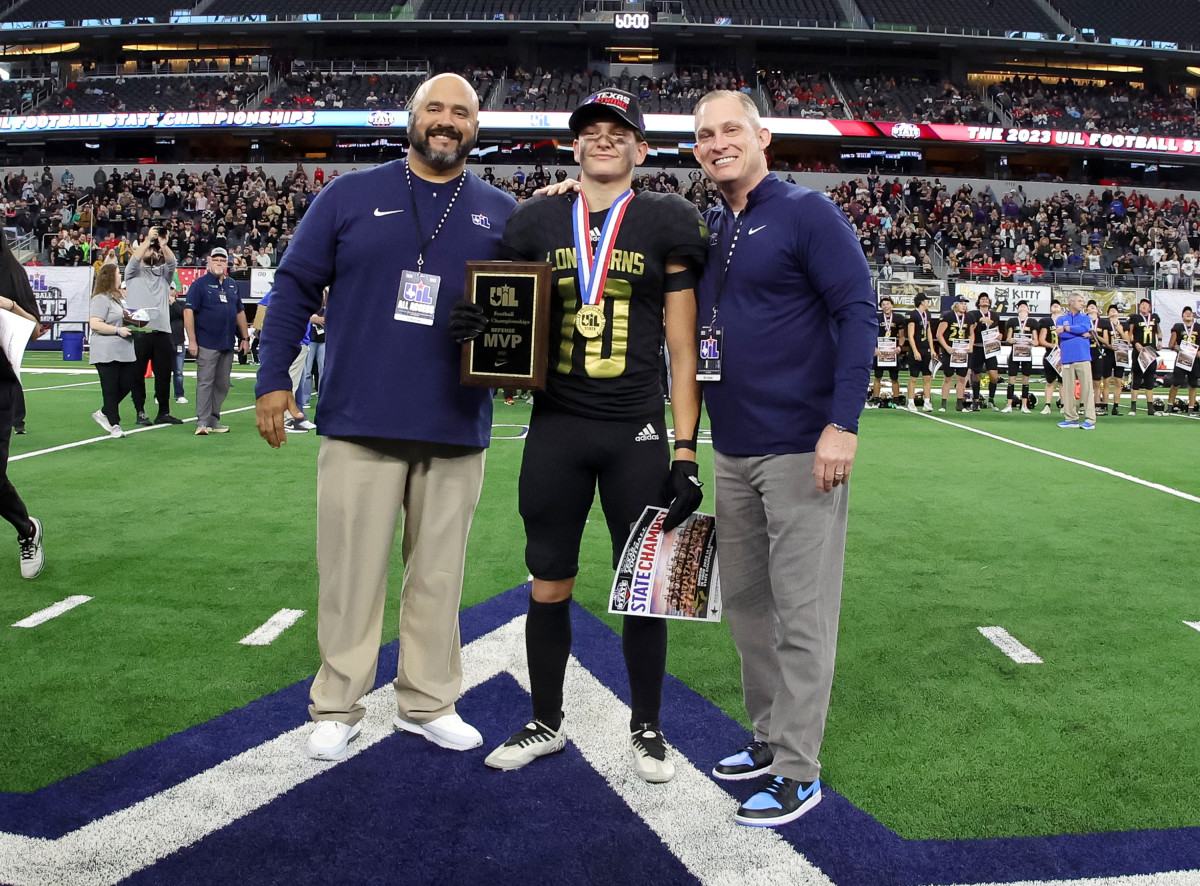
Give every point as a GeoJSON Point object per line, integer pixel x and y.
{"type": "Point", "coordinates": [592, 268]}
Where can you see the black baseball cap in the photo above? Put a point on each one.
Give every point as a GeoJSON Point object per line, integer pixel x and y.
{"type": "Point", "coordinates": [609, 102]}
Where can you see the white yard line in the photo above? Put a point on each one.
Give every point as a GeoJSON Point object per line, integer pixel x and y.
{"type": "Point", "coordinates": [1010, 645]}
{"type": "Point", "coordinates": [78, 384]}
{"type": "Point", "coordinates": [1075, 461]}
{"type": "Point", "coordinates": [44, 615]}
{"type": "Point", "coordinates": [1193, 624]}
{"type": "Point", "coordinates": [133, 430]}
{"type": "Point", "coordinates": [272, 628]}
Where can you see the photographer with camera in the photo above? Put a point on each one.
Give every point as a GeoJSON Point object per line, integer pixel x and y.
{"type": "Point", "coordinates": [148, 279]}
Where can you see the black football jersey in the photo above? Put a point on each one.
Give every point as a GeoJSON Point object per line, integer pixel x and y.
{"type": "Point", "coordinates": [890, 327]}
{"type": "Point", "coordinates": [1145, 330]}
{"type": "Point", "coordinates": [957, 327]}
{"type": "Point", "coordinates": [617, 375]}
{"type": "Point", "coordinates": [976, 319]}
{"type": "Point", "coordinates": [1051, 330]}
{"type": "Point", "coordinates": [923, 330]}
{"type": "Point", "coordinates": [1182, 333]}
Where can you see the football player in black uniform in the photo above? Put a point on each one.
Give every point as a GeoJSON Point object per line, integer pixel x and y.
{"type": "Point", "coordinates": [891, 325]}
{"type": "Point", "coordinates": [1099, 351]}
{"type": "Point", "coordinates": [985, 322]}
{"type": "Point", "coordinates": [955, 327]}
{"type": "Point", "coordinates": [600, 421]}
{"type": "Point", "coordinates": [1021, 329]}
{"type": "Point", "coordinates": [1049, 341]}
{"type": "Point", "coordinates": [920, 336]}
{"type": "Point", "coordinates": [1144, 333]}
{"type": "Point", "coordinates": [1112, 331]}
{"type": "Point", "coordinates": [1185, 333]}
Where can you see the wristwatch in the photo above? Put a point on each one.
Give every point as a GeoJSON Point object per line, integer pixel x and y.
{"type": "Point", "coordinates": [839, 428]}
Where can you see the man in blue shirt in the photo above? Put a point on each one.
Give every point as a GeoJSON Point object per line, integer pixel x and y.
{"type": "Point", "coordinates": [1075, 347]}
{"type": "Point", "coordinates": [401, 435]}
{"type": "Point", "coordinates": [214, 319]}
{"type": "Point", "coordinates": [787, 312]}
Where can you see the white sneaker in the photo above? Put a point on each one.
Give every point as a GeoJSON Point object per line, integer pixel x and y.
{"type": "Point", "coordinates": [448, 731]}
{"type": "Point", "coordinates": [535, 740]}
{"type": "Point", "coordinates": [305, 424]}
{"type": "Point", "coordinates": [116, 431]}
{"type": "Point", "coordinates": [33, 556]}
{"type": "Point", "coordinates": [181, 399]}
{"type": "Point", "coordinates": [912, 407]}
{"type": "Point", "coordinates": [328, 741]}
{"type": "Point", "coordinates": [102, 421]}
{"type": "Point", "coordinates": [649, 753]}
{"type": "Point", "coordinates": [1046, 409]}
{"type": "Point", "coordinates": [1007, 407]}
{"type": "Point", "coordinates": [1027, 410]}
{"type": "Point", "coordinates": [941, 409]}
{"type": "Point", "coordinates": [928, 407]}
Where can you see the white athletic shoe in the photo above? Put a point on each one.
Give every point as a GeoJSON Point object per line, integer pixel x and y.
{"type": "Point", "coordinates": [649, 753]}
{"type": "Point", "coordinates": [33, 555]}
{"type": "Point", "coordinates": [928, 407]}
{"type": "Point", "coordinates": [1046, 409]}
{"type": "Point", "coordinates": [912, 407]}
{"type": "Point", "coordinates": [102, 421]}
{"type": "Point", "coordinates": [1027, 410]}
{"type": "Point", "coordinates": [181, 399]}
{"type": "Point", "coordinates": [328, 741]}
{"type": "Point", "coordinates": [1007, 407]}
{"type": "Point", "coordinates": [116, 431]}
{"type": "Point", "coordinates": [448, 731]}
{"type": "Point", "coordinates": [535, 740]}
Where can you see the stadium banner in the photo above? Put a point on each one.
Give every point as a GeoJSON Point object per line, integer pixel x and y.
{"type": "Point", "coordinates": [1032, 137]}
{"type": "Point", "coordinates": [1125, 299]}
{"type": "Point", "coordinates": [1169, 305]}
{"type": "Point", "coordinates": [669, 574]}
{"type": "Point", "coordinates": [62, 294]}
{"type": "Point", "coordinates": [261, 281]}
{"type": "Point", "coordinates": [187, 276]}
{"type": "Point", "coordinates": [903, 293]}
{"type": "Point", "coordinates": [1005, 296]}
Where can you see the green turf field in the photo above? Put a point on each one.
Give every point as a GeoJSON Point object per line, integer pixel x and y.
{"type": "Point", "coordinates": [188, 544]}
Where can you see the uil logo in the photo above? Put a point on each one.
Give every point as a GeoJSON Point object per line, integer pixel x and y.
{"type": "Point", "coordinates": [906, 130]}
{"type": "Point", "coordinates": [503, 296]}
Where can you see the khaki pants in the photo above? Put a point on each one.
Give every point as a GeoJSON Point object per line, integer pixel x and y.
{"type": "Point", "coordinates": [1081, 372]}
{"type": "Point", "coordinates": [363, 488]}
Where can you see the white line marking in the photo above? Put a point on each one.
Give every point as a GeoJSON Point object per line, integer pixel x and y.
{"type": "Point", "coordinates": [50, 612]}
{"type": "Point", "coordinates": [1010, 645]}
{"type": "Point", "coordinates": [1075, 461]}
{"type": "Point", "coordinates": [133, 430]}
{"type": "Point", "coordinates": [78, 384]}
{"type": "Point", "coordinates": [272, 628]}
{"type": "Point", "coordinates": [118, 845]}
{"type": "Point", "coordinates": [1193, 624]}
{"type": "Point", "coordinates": [1173, 878]}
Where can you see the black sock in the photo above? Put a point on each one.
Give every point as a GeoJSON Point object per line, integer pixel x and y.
{"type": "Point", "coordinates": [991, 392]}
{"type": "Point", "coordinates": [975, 389]}
{"type": "Point", "coordinates": [547, 647]}
{"type": "Point", "coordinates": [1024, 394]}
{"type": "Point", "coordinates": [1011, 391]}
{"type": "Point", "coordinates": [644, 642]}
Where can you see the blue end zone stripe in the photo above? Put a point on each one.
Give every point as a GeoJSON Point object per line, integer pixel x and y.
{"type": "Point", "coordinates": [521, 822]}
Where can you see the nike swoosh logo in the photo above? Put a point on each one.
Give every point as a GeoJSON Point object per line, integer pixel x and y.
{"type": "Point", "coordinates": [752, 230]}
{"type": "Point", "coordinates": [380, 213]}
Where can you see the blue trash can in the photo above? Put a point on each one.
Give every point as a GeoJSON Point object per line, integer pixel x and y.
{"type": "Point", "coordinates": [72, 343]}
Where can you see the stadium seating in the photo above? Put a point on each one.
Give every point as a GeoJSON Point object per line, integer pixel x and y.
{"type": "Point", "coordinates": [525, 10]}
{"type": "Point", "coordinates": [801, 13]}
{"type": "Point", "coordinates": [968, 16]}
{"type": "Point", "coordinates": [281, 8]}
{"type": "Point", "coordinates": [169, 93]}
{"type": "Point", "coordinates": [1167, 20]}
{"type": "Point", "coordinates": [81, 10]}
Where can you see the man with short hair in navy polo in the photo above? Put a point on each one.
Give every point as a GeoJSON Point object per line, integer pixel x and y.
{"type": "Point", "coordinates": [787, 295]}
{"type": "Point", "coordinates": [401, 435]}
{"type": "Point", "coordinates": [214, 319]}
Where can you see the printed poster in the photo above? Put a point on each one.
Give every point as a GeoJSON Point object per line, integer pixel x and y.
{"type": "Point", "coordinates": [1123, 351]}
{"type": "Point", "coordinates": [961, 351]}
{"type": "Point", "coordinates": [991, 342]}
{"type": "Point", "coordinates": [1022, 346]}
{"type": "Point", "coordinates": [669, 574]}
{"type": "Point", "coordinates": [889, 350]}
{"type": "Point", "coordinates": [1147, 357]}
{"type": "Point", "coordinates": [1186, 357]}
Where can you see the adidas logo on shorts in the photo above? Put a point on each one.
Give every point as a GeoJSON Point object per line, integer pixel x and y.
{"type": "Point", "coordinates": [646, 433]}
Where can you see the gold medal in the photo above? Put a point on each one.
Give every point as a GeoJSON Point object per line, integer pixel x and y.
{"type": "Point", "coordinates": [590, 321]}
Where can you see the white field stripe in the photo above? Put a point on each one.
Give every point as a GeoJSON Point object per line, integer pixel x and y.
{"type": "Point", "coordinates": [132, 430]}
{"type": "Point", "coordinates": [272, 628]}
{"type": "Point", "coordinates": [1010, 645]}
{"type": "Point", "coordinates": [1075, 461]}
{"type": "Point", "coordinates": [1193, 624]}
{"type": "Point", "coordinates": [78, 384]}
{"type": "Point", "coordinates": [693, 818]}
{"type": "Point", "coordinates": [50, 612]}
{"type": "Point", "coordinates": [1173, 878]}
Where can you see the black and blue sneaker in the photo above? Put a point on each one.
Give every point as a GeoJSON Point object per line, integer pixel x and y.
{"type": "Point", "coordinates": [750, 761]}
{"type": "Point", "coordinates": [779, 801]}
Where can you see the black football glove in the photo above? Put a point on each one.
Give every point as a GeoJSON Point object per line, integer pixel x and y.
{"type": "Point", "coordinates": [683, 490]}
{"type": "Point", "coordinates": [467, 320]}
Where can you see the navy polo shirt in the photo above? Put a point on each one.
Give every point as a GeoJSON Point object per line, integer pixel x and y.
{"type": "Point", "coordinates": [215, 305]}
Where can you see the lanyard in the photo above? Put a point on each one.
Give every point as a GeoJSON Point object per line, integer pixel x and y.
{"type": "Point", "coordinates": [888, 327]}
{"type": "Point", "coordinates": [592, 269]}
{"type": "Point", "coordinates": [737, 233]}
{"type": "Point", "coordinates": [417, 214]}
